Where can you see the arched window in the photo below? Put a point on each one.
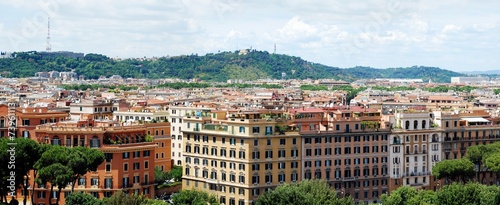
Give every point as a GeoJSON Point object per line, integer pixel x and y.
{"type": "Point", "coordinates": [415, 124]}
{"type": "Point", "coordinates": [424, 124]}
{"type": "Point", "coordinates": [407, 124]}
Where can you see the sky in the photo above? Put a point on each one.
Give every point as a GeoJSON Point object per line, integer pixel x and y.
{"type": "Point", "coordinates": [458, 35]}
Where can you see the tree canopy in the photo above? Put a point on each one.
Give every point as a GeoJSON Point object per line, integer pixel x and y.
{"type": "Point", "coordinates": [314, 192]}
{"type": "Point", "coordinates": [218, 67]}
{"type": "Point", "coordinates": [454, 169]}
{"type": "Point", "coordinates": [194, 197]}
{"type": "Point", "coordinates": [453, 194]}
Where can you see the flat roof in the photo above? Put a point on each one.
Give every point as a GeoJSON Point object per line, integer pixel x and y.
{"type": "Point", "coordinates": [475, 119]}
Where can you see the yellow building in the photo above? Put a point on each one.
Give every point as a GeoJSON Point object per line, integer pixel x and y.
{"type": "Point", "coordinates": [237, 155]}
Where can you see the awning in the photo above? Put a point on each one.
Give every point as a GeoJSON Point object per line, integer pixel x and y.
{"type": "Point", "coordinates": [475, 119]}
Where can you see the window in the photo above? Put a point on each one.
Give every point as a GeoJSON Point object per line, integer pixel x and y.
{"type": "Point", "coordinates": [242, 129]}
{"type": "Point", "coordinates": [255, 129]}
{"type": "Point", "coordinates": [94, 181]}
{"type": "Point", "coordinates": [282, 141]}
{"type": "Point", "coordinates": [126, 155]}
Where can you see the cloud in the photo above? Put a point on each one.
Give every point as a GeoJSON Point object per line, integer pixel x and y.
{"type": "Point", "coordinates": [379, 33]}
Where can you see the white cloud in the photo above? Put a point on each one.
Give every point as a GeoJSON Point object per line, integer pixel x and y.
{"type": "Point", "coordinates": [379, 33]}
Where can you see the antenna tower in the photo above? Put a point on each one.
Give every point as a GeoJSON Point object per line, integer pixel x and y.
{"type": "Point", "coordinates": [275, 48]}
{"type": "Point", "coordinates": [49, 47]}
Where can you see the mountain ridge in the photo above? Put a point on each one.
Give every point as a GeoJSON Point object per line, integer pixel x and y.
{"type": "Point", "coordinates": [222, 66]}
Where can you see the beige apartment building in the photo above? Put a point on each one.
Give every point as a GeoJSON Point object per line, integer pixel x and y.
{"type": "Point", "coordinates": [346, 146]}
{"type": "Point", "coordinates": [237, 155]}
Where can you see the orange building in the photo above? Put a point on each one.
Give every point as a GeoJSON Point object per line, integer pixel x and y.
{"type": "Point", "coordinates": [129, 163]}
{"type": "Point", "coordinates": [161, 133]}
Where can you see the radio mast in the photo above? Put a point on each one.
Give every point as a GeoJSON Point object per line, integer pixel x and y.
{"type": "Point", "coordinates": [49, 47]}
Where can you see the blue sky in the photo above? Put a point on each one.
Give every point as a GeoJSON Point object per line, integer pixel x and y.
{"type": "Point", "coordinates": [459, 35]}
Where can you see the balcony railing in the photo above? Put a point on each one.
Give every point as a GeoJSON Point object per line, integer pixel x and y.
{"type": "Point", "coordinates": [127, 186]}
{"type": "Point", "coordinates": [148, 183]}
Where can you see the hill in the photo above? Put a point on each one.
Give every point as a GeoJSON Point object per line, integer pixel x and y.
{"type": "Point", "coordinates": [222, 66]}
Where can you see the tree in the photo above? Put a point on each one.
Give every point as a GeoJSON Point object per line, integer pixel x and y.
{"type": "Point", "coordinates": [176, 173]}
{"type": "Point", "coordinates": [83, 160]}
{"type": "Point", "coordinates": [400, 196]}
{"type": "Point", "coordinates": [407, 195]}
{"type": "Point", "coordinates": [458, 194]}
{"type": "Point", "coordinates": [194, 197]}
{"type": "Point", "coordinates": [121, 198]}
{"type": "Point", "coordinates": [53, 168]}
{"type": "Point", "coordinates": [27, 153]}
{"type": "Point", "coordinates": [493, 163]}
{"type": "Point", "coordinates": [475, 155]}
{"type": "Point", "coordinates": [81, 198]}
{"type": "Point", "coordinates": [479, 154]}
{"type": "Point", "coordinates": [454, 169]}
{"type": "Point", "coordinates": [304, 192]}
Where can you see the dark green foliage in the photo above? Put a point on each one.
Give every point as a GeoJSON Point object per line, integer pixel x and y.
{"type": "Point", "coordinates": [161, 176]}
{"type": "Point", "coordinates": [81, 198]}
{"type": "Point", "coordinates": [397, 88]}
{"type": "Point", "coordinates": [314, 192]}
{"type": "Point", "coordinates": [194, 197]}
{"type": "Point", "coordinates": [97, 86]}
{"type": "Point", "coordinates": [444, 88]}
{"type": "Point", "coordinates": [211, 67]}
{"type": "Point", "coordinates": [454, 169]}
{"type": "Point", "coordinates": [453, 194]}
{"type": "Point", "coordinates": [313, 87]}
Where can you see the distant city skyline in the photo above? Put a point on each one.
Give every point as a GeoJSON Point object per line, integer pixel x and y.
{"type": "Point", "coordinates": [458, 35]}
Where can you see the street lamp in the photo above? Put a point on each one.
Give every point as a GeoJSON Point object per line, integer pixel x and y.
{"type": "Point", "coordinates": [26, 191]}
{"type": "Point", "coordinates": [342, 192]}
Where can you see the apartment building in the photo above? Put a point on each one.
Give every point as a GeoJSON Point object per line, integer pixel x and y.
{"type": "Point", "coordinates": [238, 155]}
{"type": "Point", "coordinates": [465, 129]}
{"type": "Point", "coordinates": [415, 147]}
{"type": "Point", "coordinates": [129, 163]}
{"type": "Point", "coordinates": [141, 115]}
{"type": "Point", "coordinates": [161, 133]}
{"type": "Point", "coordinates": [28, 118]}
{"type": "Point", "coordinates": [176, 114]}
{"type": "Point", "coordinates": [92, 110]}
{"type": "Point", "coordinates": [348, 147]}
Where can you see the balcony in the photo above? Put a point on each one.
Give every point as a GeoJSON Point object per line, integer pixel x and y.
{"type": "Point", "coordinates": [127, 186]}
{"type": "Point", "coordinates": [148, 183]}
{"type": "Point", "coordinates": [396, 142]}
{"type": "Point", "coordinates": [413, 174]}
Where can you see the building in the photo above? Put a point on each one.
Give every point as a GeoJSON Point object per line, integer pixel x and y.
{"type": "Point", "coordinates": [177, 113]}
{"type": "Point", "coordinates": [129, 163]}
{"type": "Point", "coordinates": [92, 110]}
{"type": "Point", "coordinates": [161, 133]}
{"type": "Point", "coordinates": [469, 80]}
{"type": "Point", "coordinates": [240, 156]}
{"type": "Point", "coordinates": [415, 147]}
{"type": "Point", "coordinates": [347, 147]}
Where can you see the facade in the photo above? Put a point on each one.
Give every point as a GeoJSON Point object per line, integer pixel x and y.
{"type": "Point", "coordinates": [177, 113]}
{"type": "Point", "coordinates": [129, 163]}
{"type": "Point", "coordinates": [415, 147]}
{"type": "Point", "coordinates": [92, 110]}
{"type": "Point", "coordinates": [348, 147]}
{"type": "Point", "coordinates": [161, 133]}
{"type": "Point", "coordinates": [240, 156]}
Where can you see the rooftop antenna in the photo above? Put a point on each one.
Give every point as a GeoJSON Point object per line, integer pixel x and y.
{"type": "Point", "coordinates": [49, 47]}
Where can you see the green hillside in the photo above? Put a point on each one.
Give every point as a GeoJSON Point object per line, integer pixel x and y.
{"type": "Point", "coordinates": [211, 67]}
